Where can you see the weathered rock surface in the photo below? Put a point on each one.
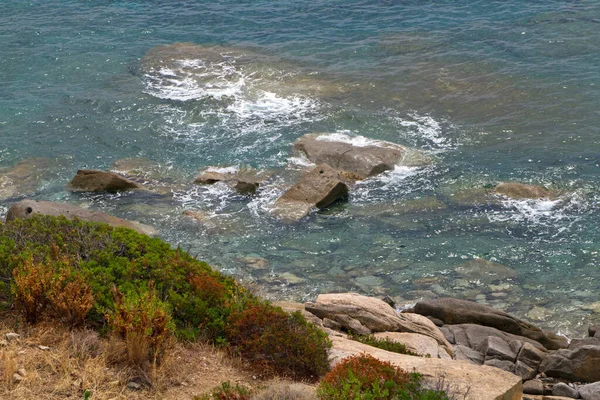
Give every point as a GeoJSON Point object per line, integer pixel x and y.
{"type": "Point", "coordinates": [100, 181]}
{"type": "Point", "coordinates": [357, 155]}
{"type": "Point", "coordinates": [466, 353]}
{"type": "Point", "coordinates": [590, 391]}
{"type": "Point", "coordinates": [416, 343]}
{"type": "Point", "coordinates": [476, 382]}
{"type": "Point", "coordinates": [454, 311]}
{"type": "Point", "coordinates": [28, 208]}
{"type": "Point", "coordinates": [580, 362]}
{"type": "Point", "coordinates": [472, 335]}
{"type": "Point", "coordinates": [317, 189]}
{"type": "Point", "coordinates": [519, 191]}
{"type": "Point", "coordinates": [562, 389]}
{"type": "Point", "coordinates": [534, 386]}
{"type": "Point", "coordinates": [244, 180]}
{"type": "Point", "coordinates": [364, 315]}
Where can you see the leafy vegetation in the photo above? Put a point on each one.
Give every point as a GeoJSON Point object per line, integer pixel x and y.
{"type": "Point", "coordinates": [278, 343]}
{"type": "Point", "coordinates": [363, 377]}
{"type": "Point", "coordinates": [145, 292]}
{"type": "Point", "coordinates": [227, 391]}
{"type": "Point", "coordinates": [384, 344]}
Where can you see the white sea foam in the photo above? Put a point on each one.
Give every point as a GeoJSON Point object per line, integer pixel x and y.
{"type": "Point", "coordinates": [224, 170]}
{"type": "Point", "coordinates": [354, 140]}
{"type": "Point", "coordinates": [401, 180]}
{"type": "Point", "coordinates": [427, 132]}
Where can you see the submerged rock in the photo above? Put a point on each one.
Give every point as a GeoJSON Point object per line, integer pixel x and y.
{"type": "Point", "coordinates": [484, 271]}
{"type": "Point", "coordinates": [28, 208]}
{"type": "Point", "coordinates": [358, 155]}
{"type": "Point", "coordinates": [22, 179]}
{"type": "Point", "coordinates": [317, 189]}
{"type": "Point", "coordinates": [244, 180]}
{"type": "Point", "coordinates": [101, 181]}
{"type": "Point", "coordinates": [161, 179]}
{"type": "Point", "coordinates": [520, 191]}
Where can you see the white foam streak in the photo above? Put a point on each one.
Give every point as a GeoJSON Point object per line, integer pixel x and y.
{"type": "Point", "coordinates": [358, 141]}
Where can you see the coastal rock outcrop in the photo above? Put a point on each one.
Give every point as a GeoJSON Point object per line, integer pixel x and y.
{"type": "Point", "coordinates": [100, 181]}
{"type": "Point", "coordinates": [244, 180]}
{"type": "Point", "coordinates": [468, 381]}
{"type": "Point", "coordinates": [577, 363]}
{"type": "Point", "coordinates": [28, 208]}
{"type": "Point", "coordinates": [316, 189]}
{"type": "Point", "coordinates": [454, 311]}
{"type": "Point", "coordinates": [357, 155]}
{"type": "Point", "coordinates": [364, 315]}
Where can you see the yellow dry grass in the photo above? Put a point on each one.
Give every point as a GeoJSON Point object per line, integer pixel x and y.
{"type": "Point", "coordinates": [80, 360]}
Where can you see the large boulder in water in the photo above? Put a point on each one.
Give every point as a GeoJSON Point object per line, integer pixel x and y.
{"type": "Point", "coordinates": [29, 208]}
{"type": "Point", "coordinates": [317, 189]}
{"type": "Point", "coordinates": [357, 155]}
{"type": "Point", "coordinates": [88, 180]}
{"type": "Point", "coordinates": [455, 311]}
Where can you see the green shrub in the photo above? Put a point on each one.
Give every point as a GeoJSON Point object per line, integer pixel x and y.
{"type": "Point", "coordinates": [384, 344]}
{"type": "Point", "coordinates": [144, 323]}
{"type": "Point", "coordinates": [363, 377]}
{"type": "Point", "coordinates": [226, 391]}
{"type": "Point", "coordinates": [108, 257]}
{"type": "Point", "coordinates": [278, 343]}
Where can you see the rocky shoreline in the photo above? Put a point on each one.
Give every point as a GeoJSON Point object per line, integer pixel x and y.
{"type": "Point", "coordinates": [485, 353]}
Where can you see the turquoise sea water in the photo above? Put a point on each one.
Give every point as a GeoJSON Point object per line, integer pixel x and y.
{"type": "Point", "coordinates": [494, 90]}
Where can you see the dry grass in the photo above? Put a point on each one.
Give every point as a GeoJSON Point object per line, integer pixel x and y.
{"type": "Point", "coordinates": [79, 360]}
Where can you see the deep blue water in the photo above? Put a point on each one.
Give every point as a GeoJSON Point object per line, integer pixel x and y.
{"type": "Point", "coordinates": [494, 90]}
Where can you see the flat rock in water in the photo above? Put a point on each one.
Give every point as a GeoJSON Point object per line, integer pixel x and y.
{"type": "Point", "coordinates": [467, 381]}
{"type": "Point", "coordinates": [317, 189]}
{"type": "Point", "coordinates": [101, 181]}
{"type": "Point", "coordinates": [29, 208]}
{"type": "Point", "coordinates": [244, 180]}
{"type": "Point", "coordinates": [520, 191]}
{"type": "Point", "coordinates": [357, 155]}
{"type": "Point", "coordinates": [455, 311]}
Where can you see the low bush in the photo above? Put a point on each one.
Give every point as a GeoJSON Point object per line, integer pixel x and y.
{"type": "Point", "coordinates": [384, 344]}
{"type": "Point", "coordinates": [363, 377]}
{"type": "Point", "coordinates": [108, 257]}
{"type": "Point", "coordinates": [145, 324]}
{"type": "Point", "coordinates": [278, 343]}
{"type": "Point", "coordinates": [226, 391]}
{"type": "Point", "coordinates": [144, 292]}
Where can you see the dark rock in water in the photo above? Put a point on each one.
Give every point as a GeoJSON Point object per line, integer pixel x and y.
{"type": "Point", "coordinates": [593, 330]}
{"type": "Point", "coordinates": [590, 391]}
{"type": "Point", "coordinates": [29, 208]}
{"type": "Point", "coordinates": [318, 188]}
{"type": "Point", "coordinates": [245, 180]}
{"type": "Point", "coordinates": [101, 181]}
{"type": "Point", "coordinates": [519, 191]}
{"type": "Point", "coordinates": [359, 156]}
{"type": "Point", "coordinates": [562, 389]}
{"type": "Point", "coordinates": [454, 311]}
{"type": "Point", "coordinates": [576, 364]}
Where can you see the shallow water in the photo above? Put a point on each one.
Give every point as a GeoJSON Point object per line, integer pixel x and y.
{"type": "Point", "coordinates": [494, 91]}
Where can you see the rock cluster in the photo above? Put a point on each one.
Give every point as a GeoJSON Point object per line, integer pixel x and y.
{"type": "Point", "coordinates": [494, 354]}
